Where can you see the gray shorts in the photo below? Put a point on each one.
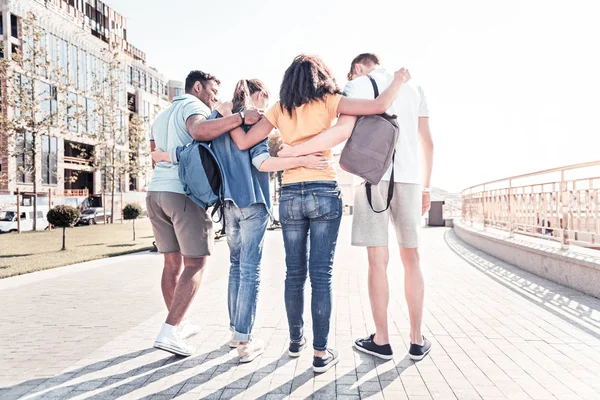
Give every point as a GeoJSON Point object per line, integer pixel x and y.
{"type": "Point", "coordinates": [180, 225]}
{"type": "Point", "coordinates": [370, 229]}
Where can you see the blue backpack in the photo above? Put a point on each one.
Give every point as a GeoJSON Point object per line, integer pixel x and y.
{"type": "Point", "coordinates": [201, 176]}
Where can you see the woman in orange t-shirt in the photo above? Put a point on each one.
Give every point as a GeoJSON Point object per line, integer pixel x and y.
{"type": "Point", "coordinates": [310, 207]}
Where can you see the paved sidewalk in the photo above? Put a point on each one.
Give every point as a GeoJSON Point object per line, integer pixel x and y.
{"type": "Point", "coordinates": [86, 331]}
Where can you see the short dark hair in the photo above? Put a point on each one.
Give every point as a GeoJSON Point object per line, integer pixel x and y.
{"type": "Point", "coordinates": [361, 59]}
{"type": "Point", "coordinates": [198, 76]}
{"type": "Point", "coordinates": [307, 79]}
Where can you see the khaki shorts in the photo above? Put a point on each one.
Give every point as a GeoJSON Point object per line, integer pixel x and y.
{"type": "Point", "coordinates": [179, 225]}
{"type": "Point", "coordinates": [370, 229]}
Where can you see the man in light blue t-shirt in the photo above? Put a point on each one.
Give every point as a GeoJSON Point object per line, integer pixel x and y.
{"type": "Point", "coordinates": [182, 229]}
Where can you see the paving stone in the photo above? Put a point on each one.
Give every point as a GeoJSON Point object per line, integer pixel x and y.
{"type": "Point", "coordinates": [94, 333]}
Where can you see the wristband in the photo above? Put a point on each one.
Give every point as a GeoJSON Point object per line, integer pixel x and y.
{"type": "Point", "coordinates": [243, 117]}
{"type": "Point", "coordinates": [426, 190]}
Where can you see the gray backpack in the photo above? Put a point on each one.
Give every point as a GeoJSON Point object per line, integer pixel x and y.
{"type": "Point", "coordinates": [371, 149]}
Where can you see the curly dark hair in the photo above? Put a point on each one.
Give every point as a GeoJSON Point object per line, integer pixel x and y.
{"type": "Point", "coordinates": [307, 79]}
{"type": "Point", "coordinates": [195, 76]}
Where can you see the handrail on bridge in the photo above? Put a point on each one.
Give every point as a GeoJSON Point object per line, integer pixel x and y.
{"type": "Point", "coordinates": [566, 209]}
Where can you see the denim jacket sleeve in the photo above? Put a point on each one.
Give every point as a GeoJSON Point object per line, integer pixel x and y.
{"type": "Point", "coordinates": [175, 154]}
{"type": "Point", "coordinates": [259, 153]}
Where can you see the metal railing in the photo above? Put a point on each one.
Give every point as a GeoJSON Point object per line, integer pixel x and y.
{"type": "Point", "coordinates": [560, 204]}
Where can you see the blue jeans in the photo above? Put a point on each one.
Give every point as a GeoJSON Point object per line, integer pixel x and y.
{"type": "Point", "coordinates": [310, 214]}
{"type": "Point", "coordinates": [245, 229]}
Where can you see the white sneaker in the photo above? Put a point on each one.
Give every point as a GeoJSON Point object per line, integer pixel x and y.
{"type": "Point", "coordinates": [188, 329]}
{"type": "Point", "coordinates": [170, 340]}
{"type": "Point", "coordinates": [248, 352]}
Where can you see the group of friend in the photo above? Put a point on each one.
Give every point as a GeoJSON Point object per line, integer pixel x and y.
{"type": "Point", "coordinates": [310, 206]}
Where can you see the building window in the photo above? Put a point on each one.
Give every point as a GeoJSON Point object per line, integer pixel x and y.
{"type": "Point", "coordinates": [49, 102]}
{"type": "Point", "coordinates": [83, 70]}
{"type": "Point", "coordinates": [136, 78]}
{"type": "Point", "coordinates": [82, 114]}
{"type": "Point", "coordinates": [71, 116]}
{"type": "Point", "coordinates": [73, 72]}
{"type": "Point", "coordinates": [24, 148]}
{"type": "Point", "coordinates": [14, 26]}
{"type": "Point", "coordinates": [91, 116]}
{"type": "Point", "coordinates": [129, 75]}
{"type": "Point", "coordinates": [52, 56]}
{"type": "Point", "coordinates": [43, 54]}
{"type": "Point", "coordinates": [1, 25]}
{"type": "Point", "coordinates": [49, 160]}
{"type": "Point", "coordinates": [24, 90]}
{"type": "Point", "coordinates": [64, 60]}
{"type": "Point", "coordinates": [92, 84]}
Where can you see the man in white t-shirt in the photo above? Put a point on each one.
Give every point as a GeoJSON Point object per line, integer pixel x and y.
{"type": "Point", "coordinates": [410, 201]}
{"type": "Point", "coordinates": [412, 198]}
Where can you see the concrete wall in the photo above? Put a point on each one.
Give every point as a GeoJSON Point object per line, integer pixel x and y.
{"type": "Point", "coordinates": [577, 271]}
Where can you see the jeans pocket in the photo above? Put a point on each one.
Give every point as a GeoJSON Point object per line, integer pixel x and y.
{"type": "Point", "coordinates": [286, 205]}
{"type": "Point", "coordinates": [328, 204]}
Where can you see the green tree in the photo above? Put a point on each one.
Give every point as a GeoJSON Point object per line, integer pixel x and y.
{"type": "Point", "coordinates": [132, 211]}
{"type": "Point", "coordinates": [63, 217]}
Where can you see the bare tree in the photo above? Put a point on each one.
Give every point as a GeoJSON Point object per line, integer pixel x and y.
{"type": "Point", "coordinates": [33, 87]}
{"type": "Point", "coordinates": [110, 155]}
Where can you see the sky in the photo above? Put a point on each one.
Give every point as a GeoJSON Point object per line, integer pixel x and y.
{"type": "Point", "coordinates": [513, 86]}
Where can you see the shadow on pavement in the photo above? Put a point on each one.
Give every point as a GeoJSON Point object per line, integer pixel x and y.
{"type": "Point", "coordinates": [573, 307]}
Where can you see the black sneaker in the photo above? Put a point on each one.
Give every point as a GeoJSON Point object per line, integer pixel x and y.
{"type": "Point", "coordinates": [417, 353]}
{"type": "Point", "coordinates": [297, 347]}
{"type": "Point", "coordinates": [323, 364]}
{"type": "Point", "coordinates": [368, 346]}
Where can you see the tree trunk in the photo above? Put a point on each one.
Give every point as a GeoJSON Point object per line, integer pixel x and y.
{"type": "Point", "coordinates": [133, 229]}
{"type": "Point", "coordinates": [113, 188]}
{"type": "Point", "coordinates": [64, 239]}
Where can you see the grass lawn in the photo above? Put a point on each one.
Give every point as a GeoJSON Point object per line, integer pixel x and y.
{"type": "Point", "coordinates": [35, 251]}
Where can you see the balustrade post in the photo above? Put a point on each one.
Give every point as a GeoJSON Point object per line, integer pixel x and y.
{"type": "Point", "coordinates": [564, 197]}
{"type": "Point", "coordinates": [511, 232]}
{"type": "Point", "coordinates": [483, 196]}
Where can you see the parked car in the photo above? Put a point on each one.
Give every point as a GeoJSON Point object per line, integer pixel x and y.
{"type": "Point", "coordinates": [8, 219]}
{"type": "Point", "coordinates": [88, 217]}
{"type": "Point", "coordinates": [92, 216]}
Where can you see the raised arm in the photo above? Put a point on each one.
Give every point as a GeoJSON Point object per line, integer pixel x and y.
{"type": "Point", "coordinates": [375, 106]}
{"type": "Point", "coordinates": [204, 130]}
{"type": "Point", "coordinates": [255, 135]}
{"type": "Point", "coordinates": [326, 140]}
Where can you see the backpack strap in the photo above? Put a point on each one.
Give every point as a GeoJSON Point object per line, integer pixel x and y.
{"type": "Point", "coordinates": [390, 190]}
{"type": "Point", "coordinates": [391, 185]}
{"type": "Point", "coordinates": [375, 88]}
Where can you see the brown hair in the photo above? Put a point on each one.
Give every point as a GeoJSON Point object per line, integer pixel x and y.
{"type": "Point", "coordinates": [244, 89]}
{"type": "Point", "coordinates": [362, 59]}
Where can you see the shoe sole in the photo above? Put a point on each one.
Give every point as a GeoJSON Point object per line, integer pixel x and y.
{"type": "Point", "coordinates": [171, 349]}
{"type": "Point", "coordinates": [419, 358]}
{"type": "Point", "coordinates": [297, 353]}
{"type": "Point", "coordinates": [320, 370]}
{"type": "Point", "coordinates": [372, 353]}
{"type": "Point", "coordinates": [251, 357]}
